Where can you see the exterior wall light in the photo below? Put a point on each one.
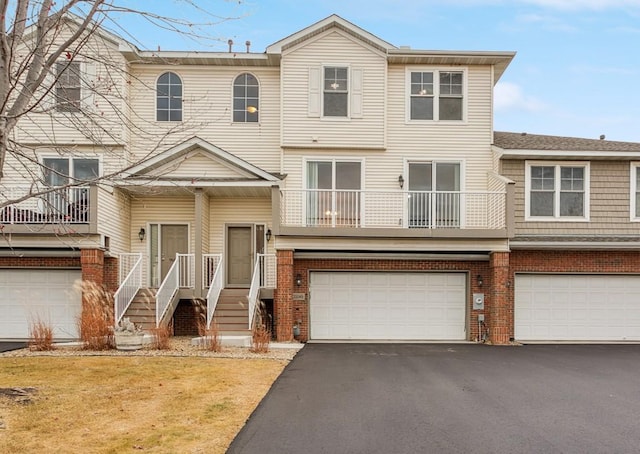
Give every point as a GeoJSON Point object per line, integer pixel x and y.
{"type": "Point", "coordinates": [298, 279]}
{"type": "Point", "coordinates": [401, 181]}
{"type": "Point", "coordinates": [479, 280]}
{"type": "Point", "coordinates": [142, 234]}
{"type": "Point", "coordinates": [268, 235]}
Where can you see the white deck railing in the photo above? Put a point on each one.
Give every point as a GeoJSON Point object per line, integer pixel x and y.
{"type": "Point", "coordinates": [212, 278]}
{"type": "Point", "coordinates": [264, 275]}
{"type": "Point", "coordinates": [129, 285]}
{"type": "Point", "coordinates": [181, 274]}
{"type": "Point", "coordinates": [68, 205]}
{"type": "Point", "coordinates": [393, 209]}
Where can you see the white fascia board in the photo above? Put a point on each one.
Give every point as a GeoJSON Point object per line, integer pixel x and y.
{"type": "Point", "coordinates": [151, 182]}
{"type": "Point", "coordinates": [541, 154]}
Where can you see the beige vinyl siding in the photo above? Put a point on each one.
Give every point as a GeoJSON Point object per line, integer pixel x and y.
{"type": "Point", "coordinates": [333, 48]}
{"type": "Point", "coordinates": [469, 142]}
{"type": "Point", "coordinates": [207, 113]}
{"type": "Point", "coordinates": [236, 211]}
{"type": "Point", "coordinates": [197, 165]}
{"type": "Point", "coordinates": [114, 213]}
{"type": "Point", "coordinates": [609, 202]}
{"type": "Point", "coordinates": [104, 94]}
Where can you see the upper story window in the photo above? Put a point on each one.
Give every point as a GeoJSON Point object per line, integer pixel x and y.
{"type": "Point", "coordinates": [245, 99]}
{"type": "Point", "coordinates": [336, 91]}
{"type": "Point", "coordinates": [68, 86]}
{"type": "Point", "coordinates": [635, 191]}
{"type": "Point", "coordinates": [557, 191]}
{"type": "Point", "coordinates": [62, 171]}
{"type": "Point", "coordinates": [436, 95]}
{"type": "Point", "coordinates": [169, 97]}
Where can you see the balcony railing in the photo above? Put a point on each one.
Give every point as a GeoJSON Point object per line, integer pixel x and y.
{"type": "Point", "coordinates": [69, 205]}
{"type": "Point", "coordinates": [393, 209]}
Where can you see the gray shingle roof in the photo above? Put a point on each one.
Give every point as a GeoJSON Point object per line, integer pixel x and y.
{"type": "Point", "coordinates": [525, 141]}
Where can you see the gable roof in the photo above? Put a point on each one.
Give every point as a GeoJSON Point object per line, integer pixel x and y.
{"type": "Point", "coordinates": [523, 145]}
{"type": "Point", "coordinates": [325, 24]}
{"type": "Point", "coordinates": [239, 169]}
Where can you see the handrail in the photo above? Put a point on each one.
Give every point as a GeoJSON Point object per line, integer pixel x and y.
{"type": "Point", "coordinates": [65, 205]}
{"type": "Point", "coordinates": [128, 289]}
{"type": "Point", "coordinates": [167, 290]}
{"type": "Point", "coordinates": [264, 275]}
{"type": "Point", "coordinates": [253, 291]}
{"type": "Point", "coordinates": [215, 287]}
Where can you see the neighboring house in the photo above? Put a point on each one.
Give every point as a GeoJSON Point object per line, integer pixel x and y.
{"type": "Point", "coordinates": [354, 186]}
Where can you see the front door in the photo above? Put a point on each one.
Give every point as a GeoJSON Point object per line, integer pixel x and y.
{"type": "Point", "coordinates": [240, 257]}
{"type": "Point", "coordinates": [174, 240]}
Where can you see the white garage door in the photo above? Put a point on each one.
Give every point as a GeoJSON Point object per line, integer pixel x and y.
{"type": "Point", "coordinates": [48, 295]}
{"type": "Point", "coordinates": [387, 306]}
{"type": "Point", "coordinates": [577, 307]}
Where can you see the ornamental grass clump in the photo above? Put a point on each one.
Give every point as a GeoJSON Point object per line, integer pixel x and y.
{"type": "Point", "coordinates": [40, 336]}
{"type": "Point", "coordinates": [96, 320]}
{"type": "Point", "coordinates": [210, 338]}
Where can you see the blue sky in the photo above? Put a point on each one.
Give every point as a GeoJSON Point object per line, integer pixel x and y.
{"type": "Point", "coordinates": [576, 72]}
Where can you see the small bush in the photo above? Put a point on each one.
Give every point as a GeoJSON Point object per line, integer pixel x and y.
{"type": "Point", "coordinates": [161, 336]}
{"type": "Point", "coordinates": [209, 335]}
{"type": "Point", "coordinates": [260, 339]}
{"type": "Point", "coordinates": [40, 336]}
{"type": "Point", "coordinates": [96, 320]}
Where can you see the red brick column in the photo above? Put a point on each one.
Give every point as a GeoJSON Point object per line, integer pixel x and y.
{"type": "Point", "coordinates": [92, 262]}
{"type": "Point", "coordinates": [283, 301]}
{"type": "Point", "coordinates": [501, 306]}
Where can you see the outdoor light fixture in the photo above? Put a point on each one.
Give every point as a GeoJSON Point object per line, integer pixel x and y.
{"type": "Point", "coordinates": [142, 234]}
{"type": "Point", "coordinates": [479, 280]}
{"type": "Point", "coordinates": [401, 181]}
{"type": "Point", "coordinates": [298, 279]}
{"type": "Point", "coordinates": [268, 235]}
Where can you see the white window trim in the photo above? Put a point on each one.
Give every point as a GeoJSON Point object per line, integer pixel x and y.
{"type": "Point", "coordinates": [155, 98]}
{"type": "Point", "coordinates": [634, 167]}
{"type": "Point", "coordinates": [87, 93]}
{"type": "Point", "coordinates": [44, 156]}
{"type": "Point", "coordinates": [233, 81]}
{"type": "Point", "coordinates": [556, 217]}
{"type": "Point", "coordinates": [436, 94]}
{"type": "Point", "coordinates": [349, 88]}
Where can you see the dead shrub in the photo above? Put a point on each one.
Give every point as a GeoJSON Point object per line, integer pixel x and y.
{"type": "Point", "coordinates": [260, 338]}
{"type": "Point", "coordinates": [161, 336]}
{"type": "Point", "coordinates": [96, 320]}
{"type": "Point", "coordinates": [210, 338]}
{"type": "Point", "coordinates": [40, 336]}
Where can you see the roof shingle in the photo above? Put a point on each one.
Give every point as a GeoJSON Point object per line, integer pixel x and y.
{"type": "Point", "coordinates": [525, 141]}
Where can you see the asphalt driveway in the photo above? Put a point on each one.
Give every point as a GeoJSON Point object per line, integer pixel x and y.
{"type": "Point", "coordinates": [462, 398]}
{"type": "Point", "coordinates": [8, 346]}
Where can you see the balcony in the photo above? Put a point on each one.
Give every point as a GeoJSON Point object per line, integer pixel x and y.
{"type": "Point", "coordinates": [64, 210]}
{"type": "Point", "coordinates": [394, 213]}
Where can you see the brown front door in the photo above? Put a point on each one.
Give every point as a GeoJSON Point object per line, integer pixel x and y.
{"type": "Point", "coordinates": [239, 256]}
{"type": "Point", "coordinates": [175, 240]}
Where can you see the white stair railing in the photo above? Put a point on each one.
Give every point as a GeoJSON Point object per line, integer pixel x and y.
{"type": "Point", "coordinates": [264, 275]}
{"type": "Point", "coordinates": [212, 278]}
{"type": "Point", "coordinates": [129, 285]}
{"type": "Point", "coordinates": [179, 275]}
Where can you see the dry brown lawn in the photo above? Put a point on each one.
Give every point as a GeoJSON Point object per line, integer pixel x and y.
{"type": "Point", "coordinates": [102, 404]}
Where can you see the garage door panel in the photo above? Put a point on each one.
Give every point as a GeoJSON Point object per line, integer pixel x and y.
{"type": "Point", "coordinates": [577, 307]}
{"type": "Point", "coordinates": [388, 306]}
{"type": "Point", "coordinates": [38, 294]}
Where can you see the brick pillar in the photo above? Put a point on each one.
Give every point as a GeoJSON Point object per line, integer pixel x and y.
{"type": "Point", "coordinates": [92, 261]}
{"type": "Point", "coordinates": [283, 302]}
{"type": "Point", "coordinates": [501, 308]}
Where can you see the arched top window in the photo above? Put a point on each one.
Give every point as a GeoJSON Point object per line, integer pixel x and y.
{"type": "Point", "coordinates": [169, 97]}
{"type": "Point", "coordinates": [246, 98]}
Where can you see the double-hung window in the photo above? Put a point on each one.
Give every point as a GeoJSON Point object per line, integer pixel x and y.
{"type": "Point", "coordinates": [336, 91]}
{"type": "Point", "coordinates": [68, 86]}
{"type": "Point", "coordinates": [557, 191]}
{"type": "Point", "coordinates": [436, 95]}
{"type": "Point", "coordinates": [333, 192]}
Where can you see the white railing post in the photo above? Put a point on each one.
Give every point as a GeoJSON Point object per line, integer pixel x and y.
{"type": "Point", "coordinates": [212, 277]}
{"type": "Point", "coordinates": [129, 286]}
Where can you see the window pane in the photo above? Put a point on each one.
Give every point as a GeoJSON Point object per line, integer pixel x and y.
{"type": "Point", "coordinates": [450, 108]}
{"type": "Point", "coordinates": [638, 204]}
{"type": "Point", "coordinates": [56, 171]}
{"type": "Point", "coordinates": [252, 117]}
{"type": "Point", "coordinates": [571, 204]}
{"type": "Point", "coordinates": [163, 79]}
{"type": "Point", "coordinates": [163, 103]}
{"type": "Point", "coordinates": [239, 91]}
{"type": "Point", "coordinates": [348, 175]}
{"type": "Point", "coordinates": [176, 91]}
{"type": "Point", "coordinates": [85, 169]}
{"type": "Point", "coordinates": [175, 115]}
{"type": "Point", "coordinates": [239, 104]}
{"type": "Point", "coordinates": [447, 177]}
{"type": "Point", "coordinates": [175, 104]}
{"type": "Point", "coordinates": [543, 178]}
{"type": "Point", "coordinates": [162, 115]}
{"type": "Point", "coordinates": [572, 178]}
{"type": "Point", "coordinates": [421, 108]}
{"type": "Point", "coordinates": [335, 104]}
{"type": "Point", "coordinates": [420, 176]}
{"type": "Point", "coordinates": [252, 92]}
{"type": "Point", "coordinates": [450, 83]}
{"type": "Point", "coordinates": [238, 115]}
{"type": "Point", "coordinates": [541, 204]}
